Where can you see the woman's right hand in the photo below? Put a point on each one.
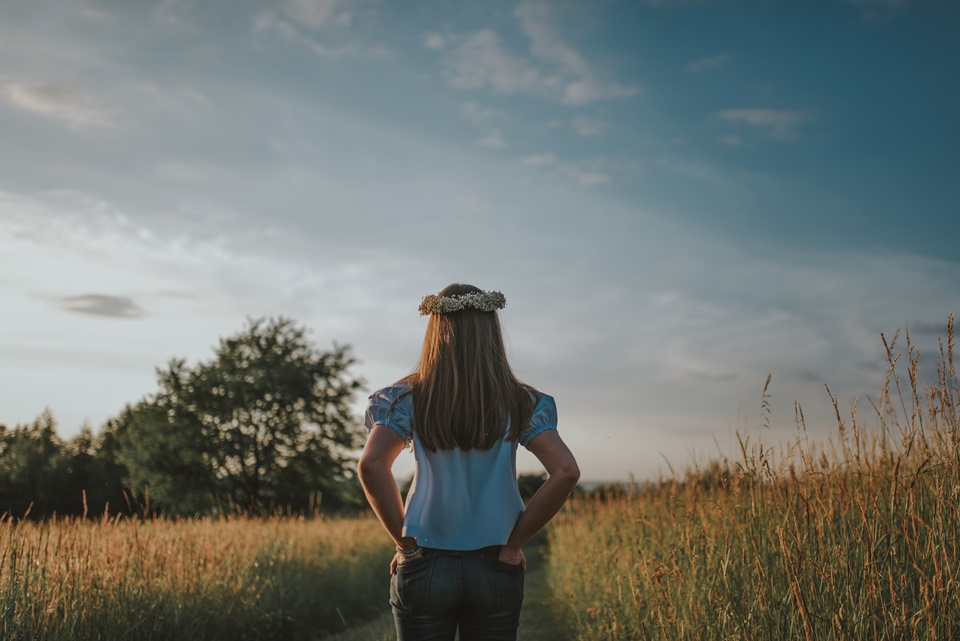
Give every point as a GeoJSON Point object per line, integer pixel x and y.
{"type": "Point", "coordinates": [512, 555]}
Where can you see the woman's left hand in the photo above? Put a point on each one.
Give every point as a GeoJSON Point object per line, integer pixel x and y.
{"type": "Point", "coordinates": [399, 559]}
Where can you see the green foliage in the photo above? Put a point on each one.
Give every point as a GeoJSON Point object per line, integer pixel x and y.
{"type": "Point", "coordinates": [40, 474]}
{"type": "Point", "coordinates": [263, 425]}
{"type": "Point", "coordinates": [529, 484]}
{"type": "Point", "coordinates": [30, 458]}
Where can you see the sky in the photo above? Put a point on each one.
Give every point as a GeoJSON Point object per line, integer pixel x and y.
{"type": "Point", "coordinates": [677, 197]}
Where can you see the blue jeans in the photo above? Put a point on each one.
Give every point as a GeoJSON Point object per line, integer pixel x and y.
{"type": "Point", "coordinates": [445, 589]}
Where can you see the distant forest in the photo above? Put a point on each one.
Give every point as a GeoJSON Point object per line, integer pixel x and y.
{"type": "Point", "coordinates": [263, 426]}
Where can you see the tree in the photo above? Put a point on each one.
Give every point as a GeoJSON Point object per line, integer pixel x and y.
{"type": "Point", "coordinates": [529, 483]}
{"type": "Point", "coordinates": [30, 458]}
{"type": "Point", "coordinates": [265, 424]}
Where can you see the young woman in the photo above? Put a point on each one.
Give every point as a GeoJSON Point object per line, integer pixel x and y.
{"type": "Point", "coordinates": [459, 561]}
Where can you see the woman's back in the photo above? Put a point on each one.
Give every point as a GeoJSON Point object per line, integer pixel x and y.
{"type": "Point", "coordinates": [460, 499]}
{"type": "Point", "coordinates": [459, 563]}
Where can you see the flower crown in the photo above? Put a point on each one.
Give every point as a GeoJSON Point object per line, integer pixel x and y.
{"type": "Point", "coordinates": [483, 301]}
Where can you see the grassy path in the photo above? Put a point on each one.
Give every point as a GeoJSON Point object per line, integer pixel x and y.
{"type": "Point", "coordinates": [536, 621]}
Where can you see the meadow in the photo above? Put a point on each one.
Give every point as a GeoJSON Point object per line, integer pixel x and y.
{"type": "Point", "coordinates": [854, 538]}
{"type": "Point", "coordinates": [229, 579]}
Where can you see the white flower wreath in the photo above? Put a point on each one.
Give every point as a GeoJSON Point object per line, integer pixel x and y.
{"type": "Point", "coordinates": [483, 301]}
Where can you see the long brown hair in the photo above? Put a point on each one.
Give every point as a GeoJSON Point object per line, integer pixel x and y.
{"type": "Point", "coordinates": [464, 392]}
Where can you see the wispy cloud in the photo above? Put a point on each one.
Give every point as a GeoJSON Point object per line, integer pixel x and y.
{"type": "Point", "coordinates": [172, 12]}
{"type": "Point", "coordinates": [316, 14]}
{"type": "Point", "coordinates": [545, 44]}
{"type": "Point", "coordinates": [493, 140]}
{"type": "Point", "coordinates": [587, 126]}
{"type": "Point", "coordinates": [102, 305]}
{"type": "Point", "coordinates": [730, 140]}
{"type": "Point", "coordinates": [65, 103]}
{"type": "Point", "coordinates": [584, 177]}
{"type": "Point", "coordinates": [538, 160]}
{"type": "Point", "coordinates": [434, 40]}
{"type": "Point", "coordinates": [482, 61]}
{"type": "Point", "coordinates": [554, 70]}
{"type": "Point", "coordinates": [536, 21]}
{"type": "Point", "coordinates": [587, 90]}
{"type": "Point", "coordinates": [480, 115]}
{"type": "Point", "coordinates": [571, 171]}
{"type": "Point", "coordinates": [709, 63]}
{"type": "Point", "coordinates": [298, 21]}
{"type": "Point", "coordinates": [780, 124]}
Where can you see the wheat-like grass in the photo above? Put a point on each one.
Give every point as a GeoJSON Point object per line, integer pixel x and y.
{"type": "Point", "coordinates": [853, 539]}
{"type": "Point", "coordinates": [277, 578]}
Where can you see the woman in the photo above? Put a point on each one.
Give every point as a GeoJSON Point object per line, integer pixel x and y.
{"type": "Point", "coordinates": [459, 562]}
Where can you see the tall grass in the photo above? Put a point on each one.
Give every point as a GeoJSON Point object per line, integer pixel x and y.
{"type": "Point", "coordinates": [855, 539]}
{"type": "Point", "coordinates": [233, 579]}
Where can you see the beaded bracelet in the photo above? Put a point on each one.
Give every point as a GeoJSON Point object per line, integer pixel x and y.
{"type": "Point", "coordinates": [407, 554]}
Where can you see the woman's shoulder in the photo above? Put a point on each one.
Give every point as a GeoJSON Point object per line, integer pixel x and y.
{"type": "Point", "coordinates": [391, 406]}
{"type": "Point", "coordinates": [394, 392]}
{"type": "Point", "coordinates": [540, 398]}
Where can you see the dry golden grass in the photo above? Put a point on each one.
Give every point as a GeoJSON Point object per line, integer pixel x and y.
{"type": "Point", "coordinates": [231, 579]}
{"type": "Point", "coordinates": [855, 540]}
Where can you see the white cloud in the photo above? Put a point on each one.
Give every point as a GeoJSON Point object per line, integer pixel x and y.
{"type": "Point", "coordinates": [591, 178]}
{"type": "Point", "coordinates": [433, 40]}
{"type": "Point", "coordinates": [539, 160]}
{"type": "Point", "coordinates": [271, 22]}
{"type": "Point", "coordinates": [65, 103]}
{"type": "Point", "coordinates": [708, 63]}
{"type": "Point", "coordinates": [315, 14]}
{"type": "Point", "coordinates": [480, 115]}
{"type": "Point", "coordinates": [587, 90]}
{"type": "Point", "coordinates": [545, 44]}
{"type": "Point", "coordinates": [493, 140]}
{"type": "Point", "coordinates": [554, 70]}
{"type": "Point", "coordinates": [588, 127]}
{"type": "Point", "coordinates": [481, 60]}
{"type": "Point", "coordinates": [778, 124]}
{"type": "Point", "coordinates": [585, 177]}
{"type": "Point", "coordinates": [730, 140]}
{"type": "Point", "coordinates": [172, 12]}
{"type": "Point", "coordinates": [84, 9]}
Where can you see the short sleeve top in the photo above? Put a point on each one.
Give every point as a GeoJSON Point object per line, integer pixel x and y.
{"type": "Point", "coordinates": [460, 499]}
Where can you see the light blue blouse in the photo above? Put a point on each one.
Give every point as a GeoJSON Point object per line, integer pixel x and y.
{"type": "Point", "coordinates": [460, 499]}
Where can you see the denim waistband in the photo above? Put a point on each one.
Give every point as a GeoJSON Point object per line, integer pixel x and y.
{"type": "Point", "coordinates": [490, 550]}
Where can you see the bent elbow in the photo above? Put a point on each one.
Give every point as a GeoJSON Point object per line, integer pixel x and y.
{"type": "Point", "coordinates": [569, 475]}
{"type": "Point", "coordinates": [368, 466]}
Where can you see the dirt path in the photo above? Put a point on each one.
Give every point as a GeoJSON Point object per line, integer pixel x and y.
{"type": "Point", "coordinates": [537, 622]}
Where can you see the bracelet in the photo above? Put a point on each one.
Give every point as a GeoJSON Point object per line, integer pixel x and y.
{"type": "Point", "coordinates": [407, 554]}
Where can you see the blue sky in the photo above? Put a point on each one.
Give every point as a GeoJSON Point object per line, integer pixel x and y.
{"type": "Point", "coordinates": [676, 197]}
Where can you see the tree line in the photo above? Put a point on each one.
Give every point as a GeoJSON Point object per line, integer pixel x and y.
{"type": "Point", "coordinates": [264, 425]}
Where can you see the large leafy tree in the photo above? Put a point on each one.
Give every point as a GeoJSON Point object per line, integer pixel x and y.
{"type": "Point", "coordinates": [265, 424]}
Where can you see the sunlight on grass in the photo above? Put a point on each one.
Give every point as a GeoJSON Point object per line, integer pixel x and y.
{"type": "Point", "coordinates": [230, 579]}
{"type": "Point", "coordinates": [854, 539]}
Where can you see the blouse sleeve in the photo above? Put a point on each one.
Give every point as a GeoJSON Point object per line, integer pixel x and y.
{"type": "Point", "coordinates": [544, 418]}
{"type": "Point", "coordinates": [391, 407]}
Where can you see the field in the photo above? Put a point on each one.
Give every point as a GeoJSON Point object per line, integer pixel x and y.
{"type": "Point", "coordinates": [194, 579]}
{"type": "Point", "coordinates": [852, 539]}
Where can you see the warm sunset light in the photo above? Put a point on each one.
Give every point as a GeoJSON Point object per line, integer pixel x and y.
{"type": "Point", "coordinates": [676, 199]}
